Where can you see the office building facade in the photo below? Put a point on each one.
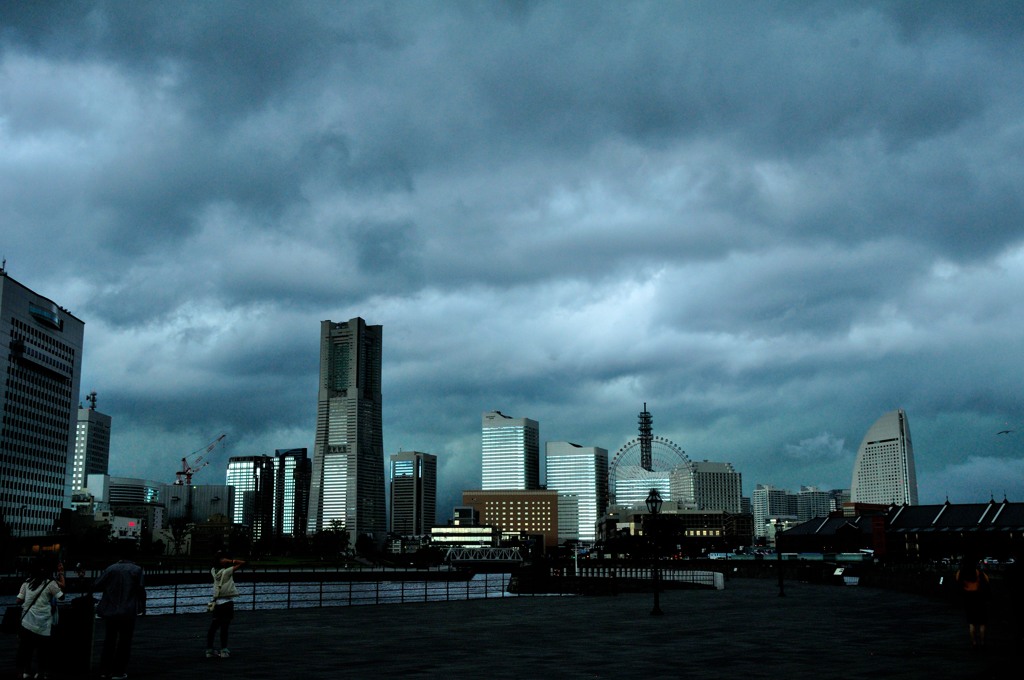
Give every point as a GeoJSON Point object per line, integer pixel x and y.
{"type": "Point", "coordinates": [518, 513]}
{"type": "Point", "coordinates": [884, 470]}
{"type": "Point", "coordinates": [291, 491]}
{"type": "Point", "coordinates": [580, 476]}
{"type": "Point", "coordinates": [705, 485]}
{"type": "Point", "coordinates": [510, 453]}
{"type": "Point", "coordinates": [413, 493]}
{"type": "Point", "coordinates": [347, 483]}
{"type": "Point", "coordinates": [770, 503]}
{"type": "Point", "coordinates": [92, 444]}
{"type": "Point", "coordinates": [41, 365]}
{"type": "Point", "coordinates": [253, 480]}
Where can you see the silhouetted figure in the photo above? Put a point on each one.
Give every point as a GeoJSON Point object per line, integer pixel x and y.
{"type": "Point", "coordinates": [36, 597]}
{"type": "Point", "coordinates": [974, 589]}
{"type": "Point", "coordinates": [124, 598]}
{"type": "Point", "coordinates": [224, 594]}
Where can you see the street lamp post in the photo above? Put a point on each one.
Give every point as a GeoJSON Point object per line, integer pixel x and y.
{"type": "Point", "coordinates": [654, 502]}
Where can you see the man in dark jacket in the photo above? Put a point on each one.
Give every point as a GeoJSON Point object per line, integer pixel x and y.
{"type": "Point", "coordinates": [124, 597]}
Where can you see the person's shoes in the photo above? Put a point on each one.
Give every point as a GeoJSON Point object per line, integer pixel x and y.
{"type": "Point", "coordinates": [225, 653]}
{"type": "Point", "coordinates": [210, 654]}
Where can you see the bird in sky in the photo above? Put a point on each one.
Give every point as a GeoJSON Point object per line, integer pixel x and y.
{"type": "Point", "coordinates": [1005, 432]}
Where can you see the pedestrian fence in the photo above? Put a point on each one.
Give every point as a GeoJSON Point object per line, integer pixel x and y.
{"type": "Point", "coordinates": [188, 598]}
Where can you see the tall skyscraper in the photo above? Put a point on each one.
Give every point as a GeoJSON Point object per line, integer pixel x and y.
{"type": "Point", "coordinates": [511, 453]}
{"type": "Point", "coordinates": [705, 485]}
{"type": "Point", "coordinates": [253, 479]}
{"type": "Point", "coordinates": [92, 444]}
{"type": "Point", "coordinates": [580, 476]}
{"type": "Point", "coordinates": [884, 470]}
{"type": "Point", "coordinates": [40, 368]}
{"type": "Point", "coordinates": [347, 487]}
{"type": "Point", "coordinates": [413, 493]}
{"type": "Point", "coordinates": [291, 492]}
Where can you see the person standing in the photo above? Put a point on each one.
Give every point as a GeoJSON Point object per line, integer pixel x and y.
{"type": "Point", "coordinates": [37, 599]}
{"type": "Point", "coordinates": [124, 597]}
{"type": "Point", "coordinates": [974, 588]}
{"type": "Point", "coordinates": [224, 594]}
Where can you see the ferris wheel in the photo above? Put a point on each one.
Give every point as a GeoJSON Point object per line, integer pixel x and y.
{"type": "Point", "coordinates": [631, 461]}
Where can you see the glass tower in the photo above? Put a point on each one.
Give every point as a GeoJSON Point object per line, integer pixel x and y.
{"type": "Point", "coordinates": [511, 453]}
{"type": "Point", "coordinates": [291, 492]}
{"type": "Point", "coordinates": [413, 493]}
{"type": "Point", "coordinates": [347, 480]}
{"type": "Point", "coordinates": [579, 472]}
{"type": "Point", "coordinates": [253, 479]}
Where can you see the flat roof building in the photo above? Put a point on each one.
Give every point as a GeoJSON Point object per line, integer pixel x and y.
{"type": "Point", "coordinates": [413, 493]}
{"type": "Point", "coordinates": [580, 475]}
{"type": "Point", "coordinates": [510, 452]}
{"type": "Point", "coordinates": [40, 368]}
{"type": "Point", "coordinates": [518, 511]}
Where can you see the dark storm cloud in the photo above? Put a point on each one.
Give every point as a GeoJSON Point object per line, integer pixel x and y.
{"type": "Point", "coordinates": [772, 222]}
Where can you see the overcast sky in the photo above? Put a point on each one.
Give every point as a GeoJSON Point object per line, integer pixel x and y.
{"type": "Point", "coordinates": [771, 222]}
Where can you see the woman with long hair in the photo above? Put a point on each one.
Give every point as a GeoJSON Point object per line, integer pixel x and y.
{"type": "Point", "coordinates": [37, 598]}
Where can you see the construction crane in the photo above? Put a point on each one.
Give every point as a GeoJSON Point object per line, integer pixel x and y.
{"type": "Point", "coordinates": [194, 462]}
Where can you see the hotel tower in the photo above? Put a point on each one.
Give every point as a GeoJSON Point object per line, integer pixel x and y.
{"type": "Point", "coordinates": [884, 470]}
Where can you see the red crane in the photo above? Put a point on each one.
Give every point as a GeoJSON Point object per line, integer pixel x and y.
{"type": "Point", "coordinates": [194, 462]}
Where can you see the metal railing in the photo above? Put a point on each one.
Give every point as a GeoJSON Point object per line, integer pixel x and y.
{"type": "Point", "coordinates": [257, 595]}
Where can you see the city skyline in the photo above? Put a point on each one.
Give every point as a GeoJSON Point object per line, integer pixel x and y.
{"type": "Point", "coordinates": [772, 223]}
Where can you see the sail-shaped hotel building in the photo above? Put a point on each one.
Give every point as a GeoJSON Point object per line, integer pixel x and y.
{"type": "Point", "coordinates": [884, 470]}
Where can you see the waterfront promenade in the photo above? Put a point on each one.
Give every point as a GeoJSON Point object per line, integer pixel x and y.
{"type": "Point", "coordinates": [744, 631]}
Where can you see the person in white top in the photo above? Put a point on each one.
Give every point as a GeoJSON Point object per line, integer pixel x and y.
{"type": "Point", "coordinates": [37, 598]}
{"type": "Point", "coordinates": [224, 594]}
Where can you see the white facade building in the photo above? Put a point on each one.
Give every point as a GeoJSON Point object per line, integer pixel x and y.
{"type": "Point", "coordinates": [580, 473]}
{"type": "Point", "coordinates": [884, 470]}
{"type": "Point", "coordinates": [510, 453]}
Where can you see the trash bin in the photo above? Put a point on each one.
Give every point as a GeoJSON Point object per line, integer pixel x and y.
{"type": "Point", "coordinates": [73, 636]}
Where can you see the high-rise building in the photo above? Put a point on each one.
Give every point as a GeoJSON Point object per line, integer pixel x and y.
{"type": "Point", "coordinates": [770, 503]}
{"type": "Point", "coordinates": [812, 502]}
{"type": "Point", "coordinates": [580, 476]}
{"type": "Point", "coordinates": [291, 492]}
{"type": "Point", "coordinates": [511, 453]}
{"type": "Point", "coordinates": [92, 444]}
{"type": "Point", "coordinates": [40, 369]}
{"type": "Point", "coordinates": [884, 470]}
{"type": "Point", "coordinates": [347, 487]}
{"type": "Point", "coordinates": [413, 493]}
{"type": "Point", "coordinates": [704, 485]}
{"type": "Point", "coordinates": [253, 480]}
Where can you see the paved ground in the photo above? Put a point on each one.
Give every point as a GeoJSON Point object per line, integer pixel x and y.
{"type": "Point", "coordinates": [745, 631]}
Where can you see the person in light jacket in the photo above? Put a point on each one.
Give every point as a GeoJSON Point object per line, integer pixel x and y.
{"type": "Point", "coordinates": [36, 598]}
{"type": "Point", "coordinates": [224, 594]}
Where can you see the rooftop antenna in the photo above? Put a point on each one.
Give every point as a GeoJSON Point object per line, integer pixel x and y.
{"type": "Point", "coordinates": [92, 400]}
{"type": "Point", "coordinates": [645, 420]}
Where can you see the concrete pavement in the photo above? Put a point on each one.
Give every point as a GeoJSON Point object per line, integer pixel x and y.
{"type": "Point", "coordinates": [744, 631]}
